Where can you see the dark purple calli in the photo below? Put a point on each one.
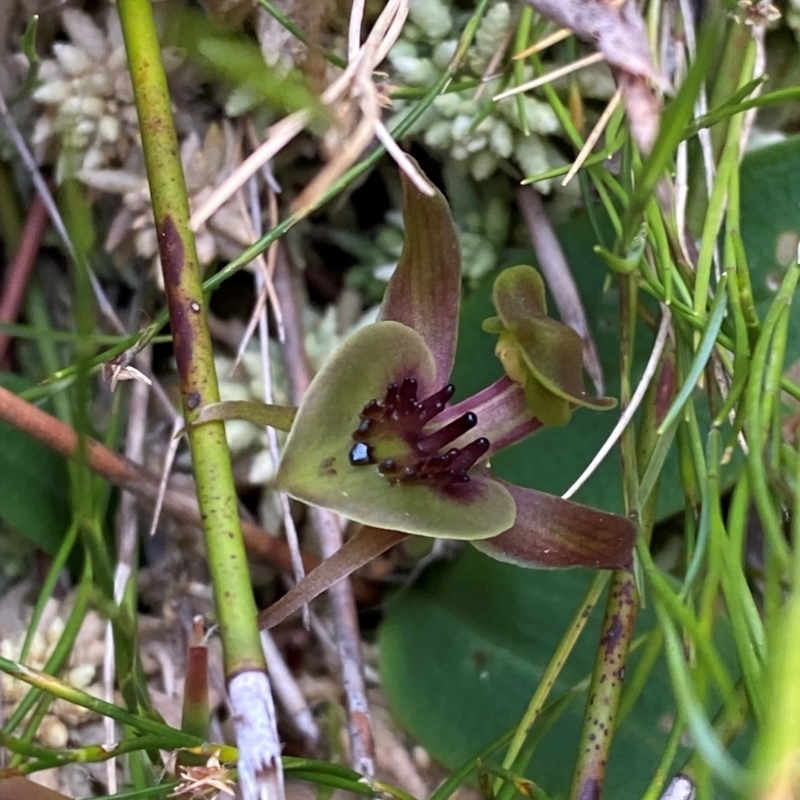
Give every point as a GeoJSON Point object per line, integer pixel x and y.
{"type": "Point", "coordinates": [377, 440]}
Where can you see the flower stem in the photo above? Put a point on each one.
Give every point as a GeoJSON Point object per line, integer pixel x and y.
{"type": "Point", "coordinates": [193, 351]}
{"type": "Point", "coordinates": [260, 772]}
{"type": "Point", "coordinates": [616, 634]}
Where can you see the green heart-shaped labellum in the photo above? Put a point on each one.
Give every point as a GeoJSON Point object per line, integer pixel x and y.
{"type": "Point", "coordinates": [316, 467]}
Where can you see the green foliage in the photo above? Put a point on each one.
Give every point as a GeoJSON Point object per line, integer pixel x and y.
{"type": "Point", "coordinates": [463, 651]}
{"type": "Point", "coordinates": [554, 457]}
{"type": "Point", "coordinates": [35, 490]}
{"type": "Point", "coordinates": [770, 227]}
{"type": "Point", "coordinates": [238, 61]}
{"type": "Point", "coordinates": [34, 62]}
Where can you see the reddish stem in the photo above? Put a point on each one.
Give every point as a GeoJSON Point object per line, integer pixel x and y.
{"type": "Point", "coordinates": [135, 479]}
{"type": "Point", "coordinates": [20, 270]}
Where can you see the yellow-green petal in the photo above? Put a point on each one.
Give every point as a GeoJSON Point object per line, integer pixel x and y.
{"type": "Point", "coordinates": [543, 355]}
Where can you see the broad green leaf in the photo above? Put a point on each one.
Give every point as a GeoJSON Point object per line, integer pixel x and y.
{"type": "Point", "coordinates": [424, 292]}
{"type": "Point", "coordinates": [34, 486]}
{"type": "Point", "coordinates": [770, 212]}
{"type": "Point", "coordinates": [462, 652]}
{"type": "Point", "coordinates": [316, 468]}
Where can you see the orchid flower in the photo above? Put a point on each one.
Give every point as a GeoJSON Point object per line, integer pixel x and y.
{"type": "Point", "coordinates": [377, 440]}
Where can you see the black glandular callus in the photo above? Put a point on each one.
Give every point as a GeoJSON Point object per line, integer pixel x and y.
{"type": "Point", "coordinates": [400, 416]}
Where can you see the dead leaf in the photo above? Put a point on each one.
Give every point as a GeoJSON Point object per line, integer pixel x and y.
{"type": "Point", "coordinates": [618, 31]}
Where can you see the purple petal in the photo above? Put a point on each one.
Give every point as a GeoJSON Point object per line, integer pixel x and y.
{"type": "Point", "coordinates": [424, 292]}
{"type": "Point", "coordinates": [550, 532]}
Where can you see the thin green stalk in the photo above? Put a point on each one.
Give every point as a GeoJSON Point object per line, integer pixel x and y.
{"type": "Point", "coordinates": [636, 683]}
{"type": "Point", "coordinates": [216, 492]}
{"type": "Point", "coordinates": [551, 673]}
{"type": "Point", "coordinates": [48, 587]}
{"type": "Point", "coordinates": [43, 334]}
{"type": "Point", "coordinates": [728, 81]}
{"type": "Point", "coordinates": [460, 775]}
{"type": "Point", "coordinates": [604, 690]}
{"type": "Point", "coordinates": [653, 791]}
{"type": "Point", "coordinates": [727, 724]}
{"type": "Point", "coordinates": [38, 315]}
{"type": "Point", "coordinates": [728, 109]}
{"type": "Point", "coordinates": [572, 133]}
{"type": "Point", "coordinates": [754, 425]}
{"type": "Point", "coordinates": [746, 623]}
{"type": "Point", "coordinates": [706, 345]}
{"type": "Point", "coordinates": [521, 41]}
{"type": "Point", "coordinates": [729, 162]}
{"type": "Point", "coordinates": [300, 34]}
{"type": "Point", "coordinates": [775, 754]}
{"type": "Point", "coordinates": [58, 658]}
{"type": "Point", "coordinates": [742, 354]}
{"type": "Point", "coordinates": [671, 603]}
{"type": "Point", "coordinates": [90, 754]}
{"type": "Point", "coordinates": [43, 682]}
{"type": "Point", "coordinates": [673, 121]}
{"type": "Point", "coordinates": [779, 740]}
{"type": "Point", "coordinates": [708, 741]}
{"type": "Point", "coordinates": [159, 792]}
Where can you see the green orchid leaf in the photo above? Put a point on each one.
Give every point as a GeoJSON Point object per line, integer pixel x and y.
{"type": "Point", "coordinates": [316, 466]}
{"type": "Point", "coordinates": [34, 499]}
{"type": "Point", "coordinates": [280, 417]}
{"type": "Point", "coordinates": [551, 532]}
{"type": "Point", "coordinates": [462, 650]}
{"type": "Point", "coordinates": [424, 292]}
{"type": "Point", "coordinates": [540, 353]}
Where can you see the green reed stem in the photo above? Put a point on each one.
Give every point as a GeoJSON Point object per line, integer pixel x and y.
{"type": "Point", "coordinates": [194, 356]}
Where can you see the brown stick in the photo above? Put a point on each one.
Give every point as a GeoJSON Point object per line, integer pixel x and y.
{"type": "Point", "coordinates": [136, 479]}
{"type": "Point", "coordinates": [19, 788]}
